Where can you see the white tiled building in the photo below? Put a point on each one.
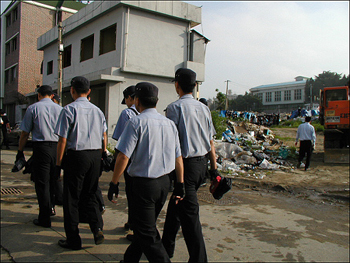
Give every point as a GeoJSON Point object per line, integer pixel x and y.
{"type": "Point", "coordinates": [282, 97]}
{"type": "Point", "coordinates": [116, 44]}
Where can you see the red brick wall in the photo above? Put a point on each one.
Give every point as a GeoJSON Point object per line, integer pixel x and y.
{"type": "Point", "coordinates": [33, 21]}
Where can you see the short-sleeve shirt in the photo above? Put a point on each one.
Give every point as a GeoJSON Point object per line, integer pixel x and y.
{"type": "Point", "coordinates": [194, 123]}
{"type": "Point", "coordinates": [151, 142]}
{"type": "Point", "coordinates": [125, 115]}
{"type": "Point", "coordinates": [40, 119]}
{"type": "Point", "coordinates": [306, 132]}
{"type": "Point", "coordinates": [82, 124]}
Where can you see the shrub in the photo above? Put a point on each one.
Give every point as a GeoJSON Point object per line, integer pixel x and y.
{"type": "Point", "coordinates": [219, 123]}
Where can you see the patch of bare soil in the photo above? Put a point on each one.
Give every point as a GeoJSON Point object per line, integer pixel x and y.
{"type": "Point", "coordinates": [321, 179]}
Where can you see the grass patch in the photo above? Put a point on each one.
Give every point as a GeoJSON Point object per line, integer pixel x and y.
{"type": "Point", "coordinates": [284, 138]}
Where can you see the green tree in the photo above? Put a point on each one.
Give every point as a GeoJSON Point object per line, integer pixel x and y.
{"type": "Point", "coordinates": [246, 102]}
{"type": "Point", "coordinates": [325, 79]}
{"type": "Point", "coordinates": [221, 98]}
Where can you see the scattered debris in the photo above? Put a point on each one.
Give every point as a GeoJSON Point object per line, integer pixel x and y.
{"type": "Point", "coordinates": [250, 149]}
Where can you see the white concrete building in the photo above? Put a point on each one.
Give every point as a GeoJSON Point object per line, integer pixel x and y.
{"type": "Point", "coordinates": [116, 44]}
{"type": "Point", "coordinates": [282, 97]}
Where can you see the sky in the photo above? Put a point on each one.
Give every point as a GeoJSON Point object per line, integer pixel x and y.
{"type": "Point", "coordinates": [255, 43]}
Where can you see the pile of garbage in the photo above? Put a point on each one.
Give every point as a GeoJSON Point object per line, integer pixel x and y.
{"type": "Point", "coordinates": [250, 149]}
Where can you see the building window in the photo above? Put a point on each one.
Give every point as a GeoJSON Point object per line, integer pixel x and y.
{"type": "Point", "coordinates": [297, 94]}
{"type": "Point", "coordinates": [13, 73]}
{"type": "Point", "coordinates": [8, 48]}
{"type": "Point", "coordinates": [260, 96]}
{"type": "Point", "coordinates": [14, 44]}
{"type": "Point", "coordinates": [287, 95]}
{"type": "Point", "coordinates": [7, 73]}
{"type": "Point", "coordinates": [277, 95]}
{"type": "Point", "coordinates": [8, 20]}
{"type": "Point", "coordinates": [268, 96]}
{"type": "Point", "coordinates": [67, 56]}
{"type": "Point", "coordinates": [108, 39]}
{"type": "Point", "coordinates": [15, 14]}
{"type": "Point", "coordinates": [49, 67]}
{"type": "Point", "coordinates": [87, 48]}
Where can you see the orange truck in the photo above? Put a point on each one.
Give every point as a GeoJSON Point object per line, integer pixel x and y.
{"type": "Point", "coordinates": [334, 115]}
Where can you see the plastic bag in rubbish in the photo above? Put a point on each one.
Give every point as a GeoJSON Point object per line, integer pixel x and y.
{"type": "Point", "coordinates": [269, 166]}
{"type": "Point", "coordinates": [246, 159]}
{"type": "Point", "coordinates": [227, 150]}
{"type": "Point", "coordinates": [228, 165]}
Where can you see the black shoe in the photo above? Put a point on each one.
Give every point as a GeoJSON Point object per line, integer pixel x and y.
{"type": "Point", "coordinates": [99, 237]}
{"type": "Point", "coordinates": [64, 244]}
{"type": "Point", "coordinates": [53, 212]}
{"type": "Point", "coordinates": [37, 223]}
{"type": "Point", "coordinates": [130, 237]}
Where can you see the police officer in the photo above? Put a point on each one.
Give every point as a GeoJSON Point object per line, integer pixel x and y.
{"type": "Point", "coordinates": [40, 119]}
{"type": "Point", "coordinates": [81, 128]}
{"type": "Point", "coordinates": [151, 142]}
{"type": "Point", "coordinates": [125, 115]}
{"type": "Point", "coordinates": [196, 130]}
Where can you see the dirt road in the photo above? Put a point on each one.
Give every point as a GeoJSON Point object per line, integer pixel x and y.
{"type": "Point", "coordinates": [320, 181]}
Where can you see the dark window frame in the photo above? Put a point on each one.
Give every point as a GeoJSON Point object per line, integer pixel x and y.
{"type": "Point", "coordinates": [67, 56]}
{"type": "Point", "coordinates": [87, 48]}
{"type": "Point", "coordinates": [49, 69]}
{"type": "Point", "coordinates": [107, 35]}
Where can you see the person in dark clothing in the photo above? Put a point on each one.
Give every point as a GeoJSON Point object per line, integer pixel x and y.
{"type": "Point", "coordinates": [307, 136]}
{"type": "Point", "coordinates": [82, 162]}
{"type": "Point", "coordinates": [40, 119]}
{"type": "Point", "coordinates": [149, 167]}
{"type": "Point", "coordinates": [196, 130]}
{"type": "Point", "coordinates": [5, 124]}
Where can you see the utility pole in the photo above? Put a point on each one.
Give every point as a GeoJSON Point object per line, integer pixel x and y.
{"type": "Point", "coordinates": [60, 51]}
{"type": "Point", "coordinates": [226, 106]}
{"type": "Point", "coordinates": [310, 96]}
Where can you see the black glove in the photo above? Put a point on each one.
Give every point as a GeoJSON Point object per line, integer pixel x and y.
{"type": "Point", "coordinates": [113, 189]}
{"type": "Point", "coordinates": [57, 172]}
{"type": "Point", "coordinates": [19, 155]}
{"type": "Point", "coordinates": [213, 174]}
{"type": "Point", "coordinates": [178, 190]}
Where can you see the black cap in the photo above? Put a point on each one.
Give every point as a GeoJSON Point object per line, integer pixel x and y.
{"type": "Point", "coordinates": [185, 77]}
{"type": "Point", "coordinates": [44, 90]}
{"type": "Point", "coordinates": [56, 97]}
{"type": "Point", "coordinates": [129, 91]}
{"type": "Point", "coordinates": [146, 90]}
{"type": "Point", "coordinates": [204, 101]}
{"type": "Point", "coordinates": [80, 84]}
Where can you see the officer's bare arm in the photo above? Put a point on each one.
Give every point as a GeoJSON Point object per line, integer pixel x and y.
{"type": "Point", "coordinates": [212, 156]}
{"type": "Point", "coordinates": [104, 142]}
{"type": "Point", "coordinates": [61, 146]}
{"type": "Point", "coordinates": [179, 169]}
{"type": "Point", "coordinates": [23, 140]}
{"type": "Point", "coordinates": [120, 165]}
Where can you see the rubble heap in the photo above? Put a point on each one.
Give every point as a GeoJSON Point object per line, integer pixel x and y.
{"type": "Point", "coordinates": [250, 149]}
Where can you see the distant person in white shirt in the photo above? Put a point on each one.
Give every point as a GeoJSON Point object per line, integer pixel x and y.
{"type": "Point", "coordinates": [307, 136]}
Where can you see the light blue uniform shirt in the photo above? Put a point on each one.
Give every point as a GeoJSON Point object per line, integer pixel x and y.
{"type": "Point", "coordinates": [194, 123]}
{"type": "Point", "coordinates": [40, 119]}
{"type": "Point", "coordinates": [125, 115]}
{"type": "Point", "coordinates": [82, 124]}
{"type": "Point", "coordinates": [306, 132]}
{"type": "Point", "coordinates": [151, 142]}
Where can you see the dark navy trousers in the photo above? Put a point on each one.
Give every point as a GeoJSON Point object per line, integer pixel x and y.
{"type": "Point", "coordinates": [80, 182]}
{"type": "Point", "coordinates": [186, 213]}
